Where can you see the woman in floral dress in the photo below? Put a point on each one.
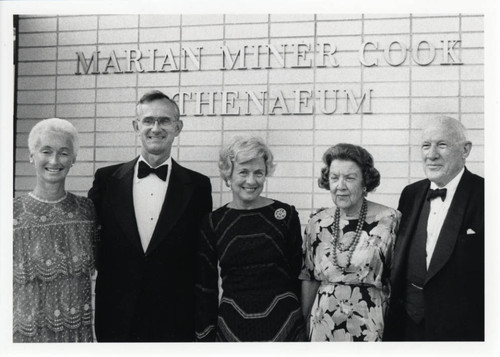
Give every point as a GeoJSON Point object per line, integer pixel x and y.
{"type": "Point", "coordinates": [347, 252]}
{"type": "Point", "coordinates": [54, 235]}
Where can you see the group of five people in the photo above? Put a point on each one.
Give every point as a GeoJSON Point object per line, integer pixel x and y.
{"type": "Point", "coordinates": [169, 269]}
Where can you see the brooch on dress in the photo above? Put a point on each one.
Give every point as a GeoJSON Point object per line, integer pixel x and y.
{"type": "Point", "coordinates": [280, 214]}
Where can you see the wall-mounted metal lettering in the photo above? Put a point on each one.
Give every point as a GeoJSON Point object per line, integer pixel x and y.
{"type": "Point", "coordinates": [396, 53]}
{"type": "Point", "coordinates": [297, 102]}
{"type": "Point", "coordinates": [266, 56]}
{"type": "Point", "coordinates": [134, 60]}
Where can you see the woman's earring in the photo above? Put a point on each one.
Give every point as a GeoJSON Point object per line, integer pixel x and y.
{"type": "Point", "coordinates": [364, 191]}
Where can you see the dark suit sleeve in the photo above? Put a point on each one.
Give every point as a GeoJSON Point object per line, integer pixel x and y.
{"type": "Point", "coordinates": [295, 243]}
{"type": "Point", "coordinates": [393, 327]}
{"type": "Point", "coordinates": [207, 280]}
{"type": "Point", "coordinates": [402, 199]}
{"type": "Point", "coordinates": [95, 194]}
{"type": "Point", "coordinates": [206, 201]}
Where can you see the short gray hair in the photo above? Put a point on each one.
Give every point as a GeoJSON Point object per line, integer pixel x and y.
{"type": "Point", "coordinates": [54, 125]}
{"type": "Point", "coordinates": [153, 95]}
{"type": "Point", "coordinates": [242, 149]}
{"type": "Point", "coordinates": [450, 123]}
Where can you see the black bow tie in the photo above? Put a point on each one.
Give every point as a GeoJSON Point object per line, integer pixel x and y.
{"type": "Point", "coordinates": [145, 170]}
{"type": "Point", "coordinates": [439, 192]}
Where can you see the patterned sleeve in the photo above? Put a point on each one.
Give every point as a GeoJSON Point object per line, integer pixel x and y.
{"type": "Point", "coordinates": [307, 272]}
{"type": "Point", "coordinates": [395, 218]}
{"type": "Point", "coordinates": [207, 292]}
{"type": "Point", "coordinates": [95, 238]}
{"type": "Point", "coordinates": [88, 208]}
{"type": "Point", "coordinates": [386, 229]}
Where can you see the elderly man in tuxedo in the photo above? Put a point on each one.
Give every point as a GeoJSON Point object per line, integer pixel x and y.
{"type": "Point", "coordinates": [149, 210]}
{"type": "Point", "coordinates": [438, 268]}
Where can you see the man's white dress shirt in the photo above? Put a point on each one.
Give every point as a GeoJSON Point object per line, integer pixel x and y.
{"type": "Point", "coordinates": [438, 211]}
{"type": "Point", "coordinates": [148, 194]}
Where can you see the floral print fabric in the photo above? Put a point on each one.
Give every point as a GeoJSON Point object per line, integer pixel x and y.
{"type": "Point", "coordinates": [349, 305]}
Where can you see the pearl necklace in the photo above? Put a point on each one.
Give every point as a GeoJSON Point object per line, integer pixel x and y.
{"type": "Point", "coordinates": [48, 201]}
{"type": "Point", "coordinates": [355, 241]}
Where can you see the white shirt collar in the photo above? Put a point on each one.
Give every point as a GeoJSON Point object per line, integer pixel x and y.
{"type": "Point", "coordinates": [168, 161]}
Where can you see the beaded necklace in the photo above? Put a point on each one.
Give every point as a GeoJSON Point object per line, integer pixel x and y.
{"type": "Point", "coordinates": [354, 242]}
{"type": "Point", "coordinates": [48, 201]}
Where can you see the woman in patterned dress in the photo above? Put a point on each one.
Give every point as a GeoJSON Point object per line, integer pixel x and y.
{"type": "Point", "coordinates": [53, 245]}
{"type": "Point", "coordinates": [347, 252]}
{"type": "Point", "coordinates": [256, 244]}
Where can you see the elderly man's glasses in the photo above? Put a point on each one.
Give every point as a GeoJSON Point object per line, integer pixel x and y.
{"type": "Point", "coordinates": [162, 121]}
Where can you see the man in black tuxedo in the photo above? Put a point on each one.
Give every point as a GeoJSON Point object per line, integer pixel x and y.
{"type": "Point", "coordinates": [438, 268]}
{"type": "Point", "coordinates": [149, 210]}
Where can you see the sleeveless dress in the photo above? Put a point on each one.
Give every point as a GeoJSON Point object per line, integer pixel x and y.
{"type": "Point", "coordinates": [259, 254]}
{"type": "Point", "coordinates": [350, 305]}
{"type": "Point", "coordinates": [53, 264]}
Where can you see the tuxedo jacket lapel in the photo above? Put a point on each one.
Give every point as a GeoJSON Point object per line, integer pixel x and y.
{"type": "Point", "coordinates": [451, 226]}
{"type": "Point", "coordinates": [177, 197]}
{"type": "Point", "coordinates": [120, 193]}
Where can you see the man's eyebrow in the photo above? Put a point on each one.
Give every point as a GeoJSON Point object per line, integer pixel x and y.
{"type": "Point", "coordinates": [159, 117]}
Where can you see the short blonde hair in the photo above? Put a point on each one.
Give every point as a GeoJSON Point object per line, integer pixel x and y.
{"type": "Point", "coordinates": [54, 125]}
{"type": "Point", "coordinates": [242, 149]}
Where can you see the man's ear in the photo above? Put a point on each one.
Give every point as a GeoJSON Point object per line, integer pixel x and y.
{"type": "Point", "coordinates": [135, 124]}
{"type": "Point", "coordinates": [179, 126]}
{"type": "Point", "coordinates": [467, 149]}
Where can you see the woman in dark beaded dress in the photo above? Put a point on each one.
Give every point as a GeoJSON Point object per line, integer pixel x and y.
{"type": "Point", "coordinates": [54, 235]}
{"type": "Point", "coordinates": [347, 252]}
{"type": "Point", "coordinates": [254, 244]}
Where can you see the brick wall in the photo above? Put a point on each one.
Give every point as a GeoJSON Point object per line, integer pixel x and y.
{"type": "Point", "coordinates": [102, 106]}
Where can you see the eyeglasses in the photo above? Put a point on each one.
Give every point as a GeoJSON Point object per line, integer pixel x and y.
{"type": "Point", "coordinates": [162, 121]}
